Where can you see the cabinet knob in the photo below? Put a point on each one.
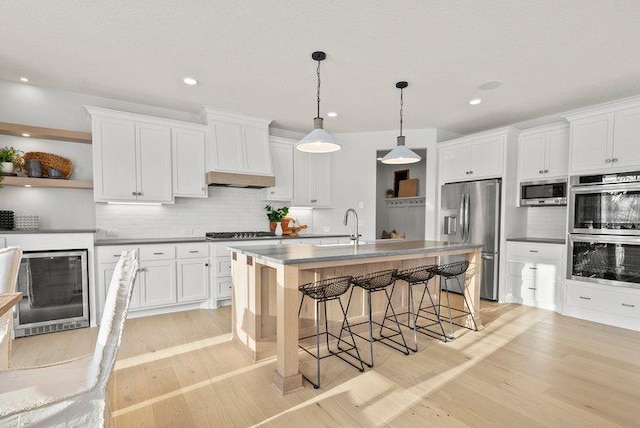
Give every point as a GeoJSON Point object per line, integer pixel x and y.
{"type": "Point", "coordinates": [607, 161]}
{"type": "Point", "coordinates": [134, 193]}
{"type": "Point", "coordinates": [540, 172]}
{"type": "Point", "coordinates": [614, 160]}
{"type": "Point", "coordinates": [314, 200]}
{"type": "Point", "coordinates": [470, 172]}
{"type": "Point", "coordinates": [272, 192]}
{"type": "Point", "coordinates": [206, 264]}
{"type": "Point", "coordinates": [546, 171]}
{"type": "Point", "coordinates": [139, 193]}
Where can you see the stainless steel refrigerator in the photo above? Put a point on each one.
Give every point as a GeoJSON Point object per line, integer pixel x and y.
{"type": "Point", "coordinates": [470, 212]}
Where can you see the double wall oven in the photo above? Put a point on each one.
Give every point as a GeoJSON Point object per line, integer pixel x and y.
{"type": "Point", "coordinates": [604, 226]}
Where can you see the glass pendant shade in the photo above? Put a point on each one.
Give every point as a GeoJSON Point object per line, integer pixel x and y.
{"type": "Point", "coordinates": [401, 154]}
{"type": "Point", "coordinates": [318, 140]}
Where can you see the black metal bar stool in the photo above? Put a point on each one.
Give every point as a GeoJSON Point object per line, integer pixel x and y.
{"type": "Point", "coordinates": [321, 292]}
{"type": "Point", "coordinates": [430, 313]}
{"type": "Point", "coordinates": [449, 272]}
{"type": "Point", "coordinates": [371, 283]}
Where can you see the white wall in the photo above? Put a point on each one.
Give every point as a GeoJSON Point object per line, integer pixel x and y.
{"type": "Point", "coordinates": [354, 179]}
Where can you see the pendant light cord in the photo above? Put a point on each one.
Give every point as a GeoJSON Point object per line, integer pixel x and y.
{"type": "Point", "coordinates": [318, 73]}
{"type": "Point", "coordinates": [401, 105]}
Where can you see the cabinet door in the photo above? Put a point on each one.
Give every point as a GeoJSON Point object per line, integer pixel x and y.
{"type": "Point", "coordinates": [157, 283]}
{"type": "Point", "coordinates": [193, 280]}
{"type": "Point", "coordinates": [114, 159]}
{"type": "Point", "coordinates": [105, 273]}
{"type": "Point", "coordinates": [531, 156]}
{"type": "Point", "coordinates": [486, 158]}
{"type": "Point", "coordinates": [557, 153]}
{"type": "Point", "coordinates": [225, 145]}
{"type": "Point", "coordinates": [321, 175]}
{"type": "Point", "coordinates": [453, 163]}
{"type": "Point", "coordinates": [302, 178]}
{"type": "Point", "coordinates": [189, 163]}
{"type": "Point", "coordinates": [591, 140]}
{"type": "Point", "coordinates": [154, 162]}
{"type": "Point", "coordinates": [282, 156]}
{"type": "Point", "coordinates": [257, 154]}
{"type": "Point", "coordinates": [625, 139]}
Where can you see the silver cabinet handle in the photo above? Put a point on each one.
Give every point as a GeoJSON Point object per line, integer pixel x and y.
{"type": "Point", "coordinates": [158, 254]}
{"type": "Point", "coordinates": [628, 305]}
{"type": "Point", "coordinates": [142, 269]}
{"type": "Point", "coordinates": [607, 161]}
{"type": "Point", "coordinates": [585, 298]}
{"type": "Point", "coordinates": [117, 255]}
{"type": "Point", "coordinates": [194, 251]}
{"type": "Point", "coordinates": [533, 251]}
{"type": "Point", "coordinates": [533, 268]}
{"type": "Point", "coordinates": [614, 160]}
{"type": "Point", "coordinates": [532, 288]}
{"type": "Point", "coordinates": [314, 200]}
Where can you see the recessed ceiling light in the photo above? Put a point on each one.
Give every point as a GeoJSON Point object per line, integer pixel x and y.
{"type": "Point", "coordinates": [475, 101]}
{"type": "Point", "coordinates": [24, 79]}
{"type": "Point", "coordinates": [332, 114]}
{"type": "Point", "coordinates": [190, 81]}
{"type": "Point", "coordinates": [24, 134]}
{"type": "Point", "coordinates": [490, 84]}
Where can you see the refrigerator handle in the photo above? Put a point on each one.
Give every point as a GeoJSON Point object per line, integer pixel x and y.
{"type": "Point", "coordinates": [467, 215]}
{"type": "Point", "coordinates": [461, 217]}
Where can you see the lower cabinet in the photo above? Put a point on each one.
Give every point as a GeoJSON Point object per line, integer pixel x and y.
{"type": "Point", "coordinates": [535, 274]}
{"type": "Point", "coordinates": [168, 275]}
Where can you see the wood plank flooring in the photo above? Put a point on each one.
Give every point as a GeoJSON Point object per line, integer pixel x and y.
{"type": "Point", "coordinates": [527, 368]}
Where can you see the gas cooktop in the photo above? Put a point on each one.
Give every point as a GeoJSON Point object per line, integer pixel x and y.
{"type": "Point", "coordinates": [238, 235]}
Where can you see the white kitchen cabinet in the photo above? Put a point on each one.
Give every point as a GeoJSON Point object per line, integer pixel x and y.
{"type": "Point", "coordinates": [131, 157]}
{"type": "Point", "coordinates": [605, 141]}
{"type": "Point", "coordinates": [189, 161]}
{"type": "Point", "coordinates": [237, 144]}
{"type": "Point", "coordinates": [282, 156]}
{"type": "Point", "coordinates": [535, 272]}
{"type": "Point", "coordinates": [312, 179]}
{"type": "Point", "coordinates": [471, 159]}
{"type": "Point", "coordinates": [618, 306]}
{"type": "Point", "coordinates": [168, 275]}
{"type": "Point", "coordinates": [543, 152]}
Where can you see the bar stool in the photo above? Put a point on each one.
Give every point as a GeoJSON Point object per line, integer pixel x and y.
{"type": "Point", "coordinates": [430, 312]}
{"type": "Point", "coordinates": [449, 272]}
{"type": "Point", "coordinates": [321, 292]}
{"type": "Point", "coordinates": [371, 283]}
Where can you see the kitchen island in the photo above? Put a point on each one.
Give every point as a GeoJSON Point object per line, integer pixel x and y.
{"type": "Point", "coordinates": [266, 297]}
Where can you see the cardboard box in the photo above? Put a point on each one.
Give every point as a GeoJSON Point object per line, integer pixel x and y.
{"type": "Point", "coordinates": [408, 188]}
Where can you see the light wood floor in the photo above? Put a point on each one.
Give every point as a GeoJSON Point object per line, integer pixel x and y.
{"type": "Point", "coordinates": [528, 367]}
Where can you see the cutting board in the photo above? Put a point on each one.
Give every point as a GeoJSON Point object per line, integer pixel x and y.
{"type": "Point", "coordinates": [408, 188]}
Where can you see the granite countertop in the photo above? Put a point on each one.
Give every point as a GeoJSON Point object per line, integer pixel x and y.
{"type": "Point", "coordinates": [558, 241]}
{"type": "Point", "coordinates": [294, 254]}
{"type": "Point", "coordinates": [142, 241]}
{"type": "Point", "coordinates": [31, 231]}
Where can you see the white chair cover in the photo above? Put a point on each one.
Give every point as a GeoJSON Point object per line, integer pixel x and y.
{"type": "Point", "coordinates": [9, 265]}
{"type": "Point", "coordinates": [72, 393]}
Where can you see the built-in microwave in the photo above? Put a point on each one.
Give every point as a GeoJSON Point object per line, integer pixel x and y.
{"type": "Point", "coordinates": [543, 193]}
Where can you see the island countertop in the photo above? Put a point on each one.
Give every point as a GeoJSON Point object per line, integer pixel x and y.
{"type": "Point", "coordinates": [297, 254]}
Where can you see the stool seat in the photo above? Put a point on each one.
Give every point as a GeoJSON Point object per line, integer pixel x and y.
{"type": "Point", "coordinates": [379, 282]}
{"type": "Point", "coordinates": [452, 269]}
{"type": "Point", "coordinates": [324, 291]}
{"type": "Point", "coordinates": [417, 275]}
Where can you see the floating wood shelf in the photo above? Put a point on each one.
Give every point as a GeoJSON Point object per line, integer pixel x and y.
{"type": "Point", "coordinates": [45, 133]}
{"type": "Point", "coordinates": [46, 182]}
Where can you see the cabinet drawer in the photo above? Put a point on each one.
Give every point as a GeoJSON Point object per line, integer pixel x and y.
{"type": "Point", "coordinates": [223, 266]}
{"type": "Point", "coordinates": [539, 270]}
{"type": "Point", "coordinates": [533, 251]}
{"type": "Point", "coordinates": [158, 252]}
{"type": "Point", "coordinates": [538, 291]}
{"type": "Point", "coordinates": [110, 254]}
{"type": "Point", "coordinates": [190, 251]}
{"type": "Point", "coordinates": [223, 287]}
{"type": "Point", "coordinates": [610, 301]}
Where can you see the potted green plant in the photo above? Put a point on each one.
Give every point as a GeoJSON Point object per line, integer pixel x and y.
{"type": "Point", "coordinates": [9, 160]}
{"type": "Point", "coordinates": [275, 216]}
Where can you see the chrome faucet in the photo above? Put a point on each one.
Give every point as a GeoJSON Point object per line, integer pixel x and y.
{"type": "Point", "coordinates": [355, 238]}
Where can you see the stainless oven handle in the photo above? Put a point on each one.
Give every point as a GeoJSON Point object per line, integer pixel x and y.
{"type": "Point", "coordinates": [599, 188]}
{"type": "Point", "coordinates": [609, 239]}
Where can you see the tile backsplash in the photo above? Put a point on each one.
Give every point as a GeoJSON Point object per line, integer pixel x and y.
{"type": "Point", "coordinates": [546, 222]}
{"type": "Point", "coordinates": [226, 209]}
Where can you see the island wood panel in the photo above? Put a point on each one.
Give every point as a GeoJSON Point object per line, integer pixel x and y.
{"type": "Point", "coordinates": [247, 276]}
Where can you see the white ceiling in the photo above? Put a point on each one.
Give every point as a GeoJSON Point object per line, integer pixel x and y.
{"type": "Point", "coordinates": [253, 57]}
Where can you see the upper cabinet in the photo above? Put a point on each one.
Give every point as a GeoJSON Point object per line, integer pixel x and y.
{"type": "Point", "coordinates": [238, 144]}
{"type": "Point", "coordinates": [543, 152]}
{"type": "Point", "coordinates": [312, 179]}
{"type": "Point", "coordinates": [605, 138]}
{"type": "Point", "coordinates": [282, 157]}
{"type": "Point", "coordinates": [189, 161]}
{"type": "Point", "coordinates": [472, 158]}
{"type": "Point", "coordinates": [145, 159]}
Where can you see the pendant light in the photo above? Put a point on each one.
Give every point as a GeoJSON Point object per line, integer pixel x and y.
{"type": "Point", "coordinates": [401, 154]}
{"type": "Point", "coordinates": [318, 140]}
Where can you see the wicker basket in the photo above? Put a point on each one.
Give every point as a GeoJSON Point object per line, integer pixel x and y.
{"type": "Point", "coordinates": [49, 160]}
